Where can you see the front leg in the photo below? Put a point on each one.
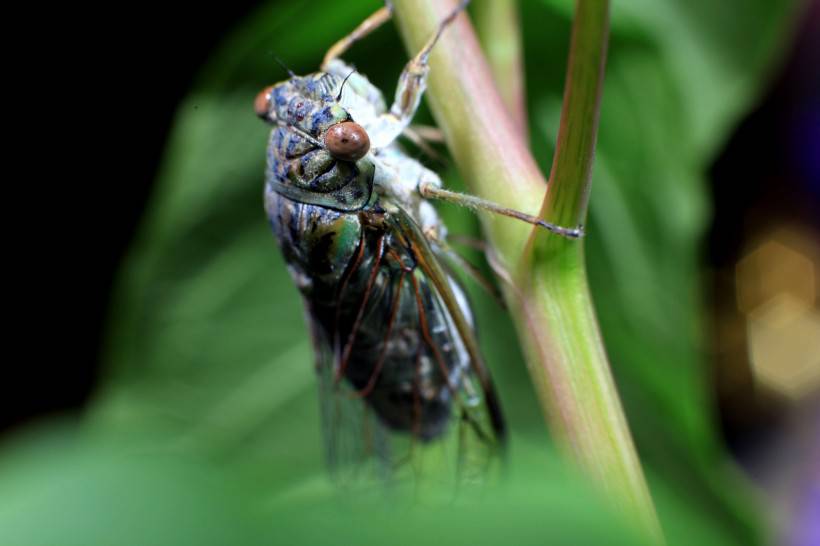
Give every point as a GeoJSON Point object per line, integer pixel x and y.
{"type": "Point", "coordinates": [431, 190]}
{"type": "Point", "coordinates": [411, 86]}
{"type": "Point", "coordinates": [367, 26]}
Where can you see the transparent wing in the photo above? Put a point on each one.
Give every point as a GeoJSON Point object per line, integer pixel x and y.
{"type": "Point", "coordinates": [357, 443]}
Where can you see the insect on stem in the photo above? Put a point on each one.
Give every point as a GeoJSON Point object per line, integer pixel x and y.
{"type": "Point", "coordinates": [395, 349]}
{"type": "Point", "coordinates": [476, 203]}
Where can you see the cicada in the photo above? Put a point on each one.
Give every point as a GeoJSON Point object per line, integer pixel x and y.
{"type": "Point", "coordinates": [401, 375]}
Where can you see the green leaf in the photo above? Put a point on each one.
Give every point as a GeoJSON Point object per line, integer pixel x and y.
{"type": "Point", "coordinates": [209, 373]}
{"type": "Point", "coordinates": [62, 486]}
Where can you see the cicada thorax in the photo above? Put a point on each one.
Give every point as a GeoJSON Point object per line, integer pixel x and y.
{"type": "Point", "coordinates": [393, 342]}
{"type": "Point", "coordinates": [299, 167]}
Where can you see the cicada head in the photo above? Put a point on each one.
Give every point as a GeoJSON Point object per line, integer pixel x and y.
{"type": "Point", "coordinates": [317, 153]}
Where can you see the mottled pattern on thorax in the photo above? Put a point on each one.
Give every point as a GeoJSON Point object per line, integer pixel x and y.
{"type": "Point", "coordinates": [318, 244]}
{"type": "Point", "coordinates": [304, 108]}
{"type": "Point", "coordinates": [307, 104]}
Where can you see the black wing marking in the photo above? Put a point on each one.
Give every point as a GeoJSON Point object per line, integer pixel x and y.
{"type": "Point", "coordinates": [414, 301]}
{"type": "Point", "coordinates": [428, 262]}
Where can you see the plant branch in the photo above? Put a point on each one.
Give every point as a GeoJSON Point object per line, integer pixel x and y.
{"type": "Point", "coordinates": [571, 176]}
{"type": "Point", "coordinates": [547, 291]}
{"type": "Point", "coordinates": [499, 29]}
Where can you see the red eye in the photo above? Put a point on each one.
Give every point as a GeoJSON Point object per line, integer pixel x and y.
{"type": "Point", "coordinates": [261, 103]}
{"type": "Point", "coordinates": [347, 141]}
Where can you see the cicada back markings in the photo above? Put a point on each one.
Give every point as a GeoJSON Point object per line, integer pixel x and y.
{"type": "Point", "coordinates": [317, 154]}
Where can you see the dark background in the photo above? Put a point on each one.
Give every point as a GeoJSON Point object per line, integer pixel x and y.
{"type": "Point", "coordinates": [106, 82]}
{"type": "Point", "coordinates": [767, 176]}
{"type": "Point", "coordinates": [108, 99]}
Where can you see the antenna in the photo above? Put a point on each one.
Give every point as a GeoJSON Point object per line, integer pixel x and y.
{"type": "Point", "coordinates": [283, 65]}
{"type": "Point", "coordinates": [339, 96]}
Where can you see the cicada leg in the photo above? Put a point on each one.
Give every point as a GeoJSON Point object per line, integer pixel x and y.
{"type": "Point", "coordinates": [428, 133]}
{"type": "Point", "coordinates": [412, 84]}
{"type": "Point", "coordinates": [473, 272]}
{"type": "Point", "coordinates": [431, 190]}
{"type": "Point", "coordinates": [367, 26]}
{"type": "Point", "coordinates": [429, 186]}
{"type": "Point", "coordinates": [423, 142]}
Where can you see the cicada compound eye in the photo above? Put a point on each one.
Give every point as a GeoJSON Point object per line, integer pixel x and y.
{"type": "Point", "coordinates": [261, 104]}
{"type": "Point", "coordinates": [347, 141]}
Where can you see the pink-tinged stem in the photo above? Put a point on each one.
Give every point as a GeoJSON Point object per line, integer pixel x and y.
{"type": "Point", "coordinates": [499, 29]}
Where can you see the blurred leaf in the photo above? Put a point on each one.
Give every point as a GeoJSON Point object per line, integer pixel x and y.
{"type": "Point", "coordinates": [210, 374]}
{"type": "Point", "coordinates": [62, 487]}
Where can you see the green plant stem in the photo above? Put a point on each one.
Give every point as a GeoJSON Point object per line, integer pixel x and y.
{"type": "Point", "coordinates": [499, 30]}
{"type": "Point", "coordinates": [568, 195]}
{"type": "Point", "coordinates": [547, 291]}
{"type": "Point", "coordinates": [568, 358]}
